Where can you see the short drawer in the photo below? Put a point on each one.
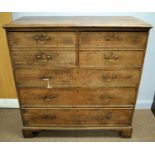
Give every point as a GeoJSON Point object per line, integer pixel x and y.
{"type": "Point", "coordinates": [77, 78]}
{"type": "Point", "coordinates": [113, 40]}
{"type": "Point", "coordinates": [43, 58]}
{"type": "Point", "coordinates": [111, 58]}
{"type": "Point", "coordinates": [77, 97]}
{"type": "Point", "coordinates": [76, 117]}
{"type": "Point", "coordinates": [42, 39]}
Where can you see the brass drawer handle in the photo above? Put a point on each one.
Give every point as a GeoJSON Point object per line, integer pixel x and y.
{"type": "Point", "coordinates": [43, 57]}
{"type": "Point", "coordinates": [49, 116]}
{"type": "Point", "coordinates": [106, 97]}
{"type": "Point", "coordinates": [111, 56]}
{"type": "Point", "coordinates": [42, 38]}
{"type": "Point", "coordinates": [48, 97]}
{"type": "Point", "coordinates": [110, 77]}
{"type": "Point", "coordinates": [45, 77]}
{"type": "Point", "coordinates": [106, 116]}
{"type": "Point", "coordinates": [111, 37]}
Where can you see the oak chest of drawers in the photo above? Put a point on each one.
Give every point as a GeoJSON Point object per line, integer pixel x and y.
{"type": "Point", "coordinates": [79, 73]}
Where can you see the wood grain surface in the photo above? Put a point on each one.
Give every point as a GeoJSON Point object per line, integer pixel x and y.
{"type": "Point", "coordinates": [79, 21]}
{"type": "Point", "coordinates": [43, 58]}
{"type": "Point", "coordinates": [103, 58]}
{"type": "Point", "coordinates": [77, 78]}
{"type": "Point", "coordinates": [77, 117]}
{"type": "Point", "coordinates": [77, 97]}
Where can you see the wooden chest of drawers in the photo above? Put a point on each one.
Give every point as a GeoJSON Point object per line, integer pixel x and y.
{"type": "Point", "coordinates": [79, 73]}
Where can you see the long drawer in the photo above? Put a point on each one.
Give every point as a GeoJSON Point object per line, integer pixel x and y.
{"type": "Point", "coordinates": [76, 117]}
{"type": "Point", "coordinates": [42, 39]}
{"type": "Point", "coordinates": [43, 58]}
{"type": "Point", "coordinates": [112, 40]}
{"type": "Point", "coordinates": [110, 58]}
{"type": "Point", "coordinates": [77, 78]}
{"type": "Point", "coordinates": [75, 97]}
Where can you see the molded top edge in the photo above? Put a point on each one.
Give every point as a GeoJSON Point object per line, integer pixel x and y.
{"type": "Point", "coordinates": [77, 21]}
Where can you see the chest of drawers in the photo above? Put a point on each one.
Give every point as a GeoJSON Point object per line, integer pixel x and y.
{"type": "Point", "coordinates": [77, 73]}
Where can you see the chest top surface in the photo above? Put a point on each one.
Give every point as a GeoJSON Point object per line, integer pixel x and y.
{"type": "Point", "coordinates": [77, 21]}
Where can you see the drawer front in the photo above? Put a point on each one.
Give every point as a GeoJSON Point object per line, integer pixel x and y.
{"type": "Point", "coordinates": [77, 78]}
{"type": "Point", "coordinates": [76, 97]}
{"type": "Point", "coordinates": [111, 58]}
{"type": "Point", "coordinates": [44, 78]}
{"type": "Point", "coordinates": [42, 39]}
{"type": "Point", "coordinates": [113, 40]}
{"type": "Point", "coordinates": [77, 117]}
{"type": "Point", "coordinates": [43, 58]}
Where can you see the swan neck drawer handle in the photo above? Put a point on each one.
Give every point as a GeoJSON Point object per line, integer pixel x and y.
{"type": "Point", "coordinates": [106, 97]}
{"type": "Point", "coordinates": [49, 116]}
{"type": "Point", "coordinates": [42, 38]}
{"type": "Point", "coordinates": [111, 57]}
{"type": "Point", "coordinates": [110, 77]}
{"type": "Point", "coordinates": [48, 97]}
{"type": "Point", "coordinates": [43, 57]}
